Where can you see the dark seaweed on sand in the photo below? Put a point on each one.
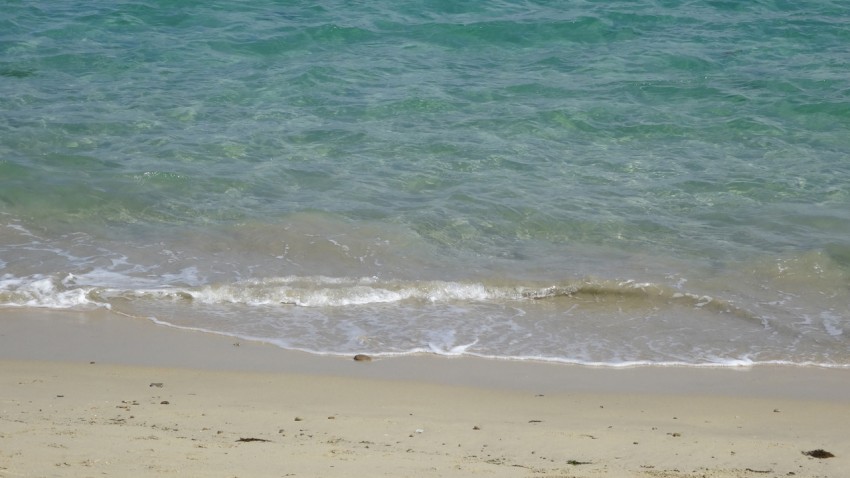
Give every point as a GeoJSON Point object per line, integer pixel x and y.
{"type": "Point", "coordinates": [819, 453]}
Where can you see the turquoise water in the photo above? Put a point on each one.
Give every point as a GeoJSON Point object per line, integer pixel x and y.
{"type": "Point", "coordinates": [598, 182]}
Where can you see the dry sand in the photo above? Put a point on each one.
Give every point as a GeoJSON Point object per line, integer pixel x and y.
{"type": "Point", "coordinates": [93, 395]}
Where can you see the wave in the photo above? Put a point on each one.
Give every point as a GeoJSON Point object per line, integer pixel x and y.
{"type": "Point", "coordinates": [70, 291]}
{"type": "Point", "coordinates": [590, 322]}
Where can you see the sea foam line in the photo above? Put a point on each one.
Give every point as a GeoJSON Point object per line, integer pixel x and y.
{"type": "Point", "coordinates": [461, 351]}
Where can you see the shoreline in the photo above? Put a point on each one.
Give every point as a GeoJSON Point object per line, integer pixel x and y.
{"type": "Point", "coordinates": [103, 337]}
{"type": "Point", "coordinates": [85, 394]}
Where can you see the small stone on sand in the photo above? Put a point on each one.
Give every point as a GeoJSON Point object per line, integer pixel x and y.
{"type": "Point", "coordinates": [362, 358]}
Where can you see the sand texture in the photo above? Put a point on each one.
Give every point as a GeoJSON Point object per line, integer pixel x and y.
{"type": "Point", "coordinates": [61, 419]}
{"type": "Point", "coordinates": [142, 404]}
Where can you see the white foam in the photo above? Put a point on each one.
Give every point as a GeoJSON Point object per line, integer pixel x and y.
{"type": "Point", "coordinates": [40, 291]}
{"type": "Point", "coordinates": [831, 323]}
{"type": "Point", "coordinates": [444, 318]}
{"type": "Point", "coordinates": [100, 277]}
{"type": "Point", "coordinates": [21, 229]}
{"type": "Point", "coordinates": [341, 292]}
{"type": "Point", "coordinates": [464, 351]}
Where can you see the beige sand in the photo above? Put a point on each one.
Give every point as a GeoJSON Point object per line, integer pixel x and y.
{"type": "Point", "coordinates": [72, 405]}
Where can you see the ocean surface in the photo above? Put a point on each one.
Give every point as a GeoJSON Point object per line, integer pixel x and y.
{"type": "Point", "coordinates": [596, 182]}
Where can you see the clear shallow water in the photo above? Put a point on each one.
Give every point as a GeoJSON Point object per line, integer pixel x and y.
{"type": "Point", "coordinates": [606, 183]}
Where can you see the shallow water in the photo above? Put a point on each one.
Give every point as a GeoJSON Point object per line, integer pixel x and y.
{"type": "Point", "coordinates": [612, 183]}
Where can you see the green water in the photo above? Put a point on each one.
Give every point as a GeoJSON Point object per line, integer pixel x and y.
{"type": "Point", "coordinates": [699, 147]}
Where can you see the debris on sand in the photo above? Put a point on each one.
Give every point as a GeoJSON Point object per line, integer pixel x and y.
{"type": "Point", "coordinates": [819, 453]}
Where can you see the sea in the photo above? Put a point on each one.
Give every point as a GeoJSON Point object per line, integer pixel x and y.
{"type": "Point", "coordinates": [606, 183]}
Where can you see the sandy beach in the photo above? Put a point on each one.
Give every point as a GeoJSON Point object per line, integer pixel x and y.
{"type": "Point", "coordinates": [98, 395]}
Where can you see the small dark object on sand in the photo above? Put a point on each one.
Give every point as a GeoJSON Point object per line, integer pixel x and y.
{"type": "Point", "coordinates": [819, 453]}
{"type": "Point", "coordinates": [362, 358]}
{"type": "Point", "coordinates": [252, 439]}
